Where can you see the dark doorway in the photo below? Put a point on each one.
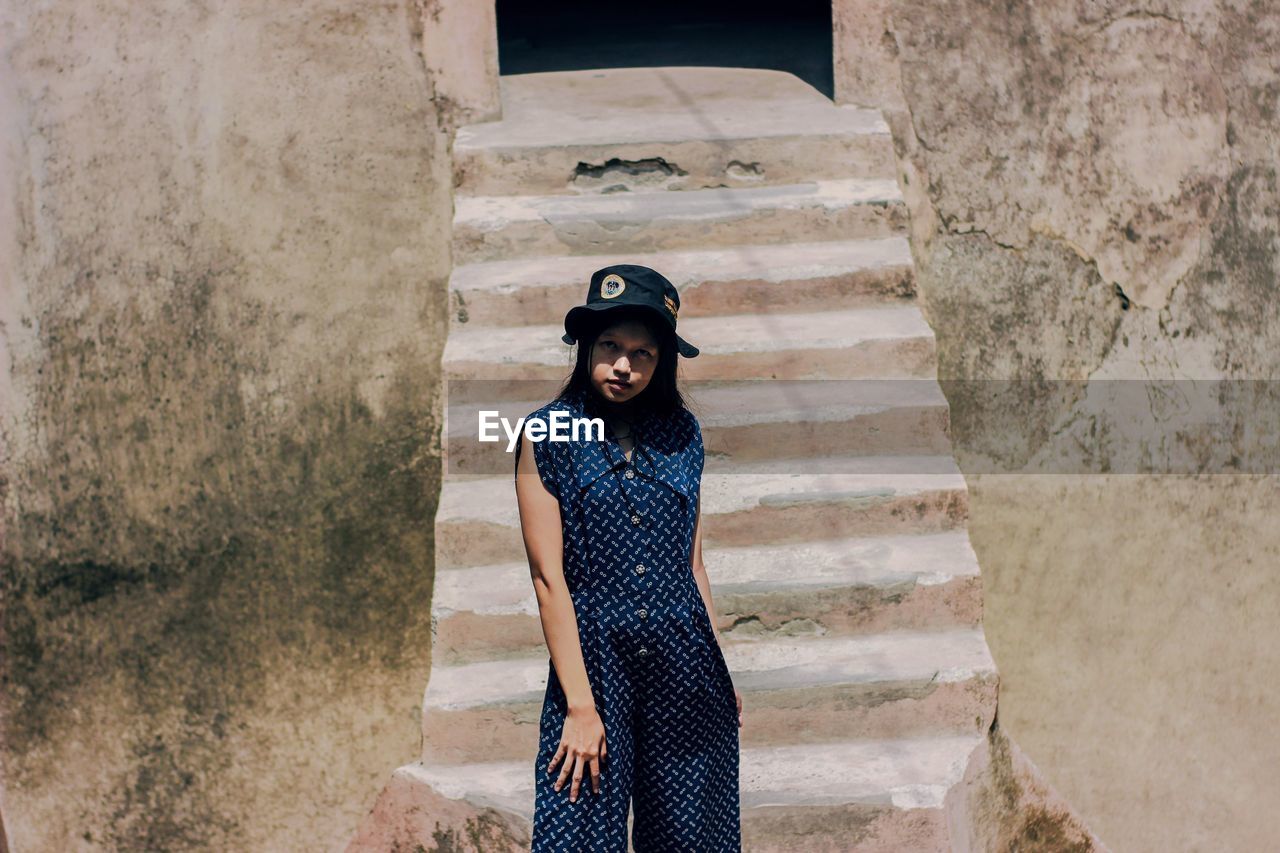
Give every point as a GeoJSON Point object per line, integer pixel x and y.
{"type": "Point", "coordinates": [568, 35]}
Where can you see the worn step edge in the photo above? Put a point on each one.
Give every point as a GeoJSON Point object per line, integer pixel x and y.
{"type": "Point", "coordinates": [757, 665]}
{"type": "Point", "coordinates": [751, 403]}
{"type": "Point", "coordinates": [751, 119]}
{"type": "Point", "coordinates": [670, 165]}
{"type": "Point", "coordinates": [764, 501]}
{"type": "Point", "coordinates": [761, 420]}
{"type": "Point", "coordinates": [769, 278]}
{"type": "Point", "coordinates": [728, 488]}
{"type": "Point", "coordinates": [724, 335]}
{"type": "Point", "coordinates": [505, 227]}
{"type": "Point", "coordinates": [905, 773]}
{"type": "Point", "coordinates": [636, 104]}
{"type": "Point", "coordinates": [690, 269]}
{"type": "Point", "coordinates": [925, 559]}
{"type": "Point", "coordinates": [491, 213]}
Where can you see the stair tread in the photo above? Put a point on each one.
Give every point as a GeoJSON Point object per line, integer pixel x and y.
{"type": "Point", "coordinates": [688, 268]}
{"type": "Point", "coordinates": [720, 335]}
{"type": "Point", "coordinates": [755, 402]}
{"type": "Point", "coordinates": [738, 486]}
{"type": "Point", "coordinates": [492, 213]}
{"type": "Point", "coordinates": [503, 226]}
{"type": "Point", "coordinates": [905, 773]}
{"type": "Point", "coordinates": [922, 558]}
{"type": "Point", "coordinates": [956, 654]}
{"type": "Point", "coordinates": [626, 105]}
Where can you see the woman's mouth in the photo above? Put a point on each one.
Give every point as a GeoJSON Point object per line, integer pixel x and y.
{"type": "Point", "coordinates": [618, 384]}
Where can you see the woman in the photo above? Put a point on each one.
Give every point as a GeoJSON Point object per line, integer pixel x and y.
{"type": "Point", "coordinates": [639, 698]}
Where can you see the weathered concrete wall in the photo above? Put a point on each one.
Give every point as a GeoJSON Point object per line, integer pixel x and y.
{"type": "Point", "coordinates": [864, 54]}
{"type": "Point", "coordinates": [460, 50]}
{"type": "Point", "coordinates": [1094, 197]}
{"type": "Point", "coordinates": [222, 301]}
{"type": "Point", "coordinates": [1003, 804]}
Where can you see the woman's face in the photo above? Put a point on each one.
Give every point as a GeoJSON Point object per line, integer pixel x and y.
{"type": "Point", "coordinates": [623, 360]}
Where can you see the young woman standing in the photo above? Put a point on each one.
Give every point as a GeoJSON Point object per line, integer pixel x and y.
{"type": "Point", "coordinates": [640, 710]}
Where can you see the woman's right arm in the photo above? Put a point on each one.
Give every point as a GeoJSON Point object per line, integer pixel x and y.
{"type": "Point", "coordinates": [582, 740]}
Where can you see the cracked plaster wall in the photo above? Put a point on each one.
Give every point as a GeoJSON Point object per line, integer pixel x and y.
{"type": "Point", "coordinates": [222, 281]}
{"type": "Point", "coordinates": [1094, 196]}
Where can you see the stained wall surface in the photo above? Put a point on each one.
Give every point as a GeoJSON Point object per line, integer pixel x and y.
{"type": "Point", "coordinates": [1094, 198]}
{"type": "Point", "coordinates": [222, 289]}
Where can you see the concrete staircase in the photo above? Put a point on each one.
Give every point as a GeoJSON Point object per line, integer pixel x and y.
{"type": "Point", "coordinates": [848, 595]}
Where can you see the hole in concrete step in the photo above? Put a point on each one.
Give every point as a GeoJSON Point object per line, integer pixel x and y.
{"type": "Point", "coordinates": [617, 175]}
{"type": "Point", "coordinates": [740, 171]}
{"type": "Point", "coordinates": [753, 626]}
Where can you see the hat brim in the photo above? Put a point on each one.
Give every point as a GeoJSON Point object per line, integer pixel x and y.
{"type": "Point", "coordinates": [579, 313]}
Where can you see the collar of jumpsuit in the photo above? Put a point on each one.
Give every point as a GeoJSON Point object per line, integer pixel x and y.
{"type": "Point", "coordinates": [656, 454]}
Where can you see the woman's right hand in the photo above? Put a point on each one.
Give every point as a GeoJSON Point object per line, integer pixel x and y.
{"type": "Point", "coordinates": [582, 747]}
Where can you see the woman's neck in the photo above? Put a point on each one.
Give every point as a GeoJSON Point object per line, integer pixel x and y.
{"type": "Point", "coordinates": [618, 412]}
{"type": "Point", "coordinates": [625, 411]}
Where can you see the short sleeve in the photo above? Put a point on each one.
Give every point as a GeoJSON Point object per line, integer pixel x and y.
{"type": "Point", "coordinates": [546, 459]}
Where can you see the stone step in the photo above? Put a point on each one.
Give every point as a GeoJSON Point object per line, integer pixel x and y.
{"type": "Point", "coordinates": [738, 279]}
{"type": "Point", "coordinates": [800, 689]}
{"type": "Point", "coordinates": [871, 796]}
{"type": "Point", "coordinates": [755, 420]}
{"type": "Point", "coordinates": [843, 795]}
{"type": "Point", "coordinates": [490, 228]}
{"type": "Point", "coordinates": [891, 342]}
{"type": "Point", "coordinates": [824, 587]}
{"type": "Point", "coordinates": [607, 130]}
{"type": "Point", "coordinates": [750, 503]}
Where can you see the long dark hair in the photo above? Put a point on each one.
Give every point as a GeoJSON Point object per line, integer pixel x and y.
{"type": "Point", "coordinates": [662, 395]}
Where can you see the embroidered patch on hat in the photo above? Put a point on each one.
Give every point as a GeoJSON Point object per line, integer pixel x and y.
{"type": "Point", "coordinates": [611, 286]}
{"type": "Point", "coordinates": [671, 305]}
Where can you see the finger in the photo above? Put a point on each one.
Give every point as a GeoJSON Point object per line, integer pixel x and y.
{"type": "Point", "coordinates": [577, 780]}
{"type": "Point", "coordinates": [566, 767]}
{"type": "Point", "coordinates": [595, 775]}
{"type": "Point", "coordinates": [555, 759]}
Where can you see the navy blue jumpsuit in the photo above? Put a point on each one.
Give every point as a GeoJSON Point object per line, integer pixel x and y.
{"type": "Point", "coordinates": [658, 677]}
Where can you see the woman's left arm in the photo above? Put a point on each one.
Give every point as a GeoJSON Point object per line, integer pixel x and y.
{"type": "Point", "coordinates": [704, 586]}
{"type": "Point", "coordinates": [700, 571]}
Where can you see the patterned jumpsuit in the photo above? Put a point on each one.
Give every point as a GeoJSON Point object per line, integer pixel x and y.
{"type": "Point", "coordinates": [658, 677]}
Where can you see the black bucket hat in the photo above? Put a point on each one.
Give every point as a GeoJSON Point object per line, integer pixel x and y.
{"type": "Point", "coordinates": [627, 284]}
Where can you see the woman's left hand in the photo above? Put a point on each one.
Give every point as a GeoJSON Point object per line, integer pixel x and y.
{"type": "Point", "coordinates": [738, 695]}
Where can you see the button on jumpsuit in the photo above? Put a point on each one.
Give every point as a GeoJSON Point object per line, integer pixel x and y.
{"type": "Point", "coordinates": [658, 677]}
